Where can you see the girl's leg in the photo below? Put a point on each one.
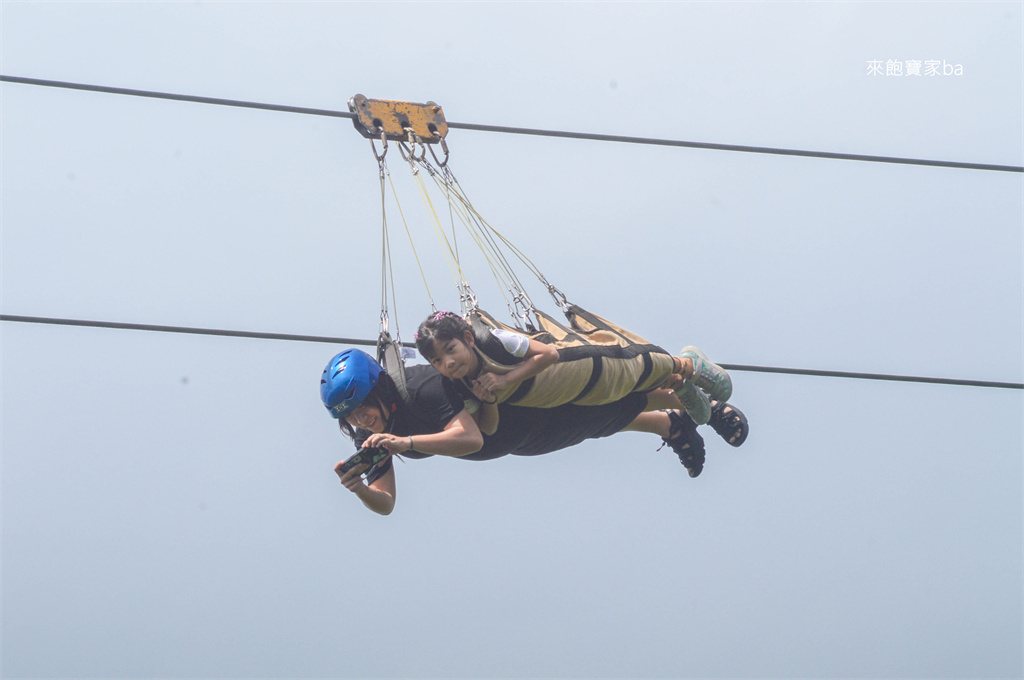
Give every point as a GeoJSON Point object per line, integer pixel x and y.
{"type": "Point", "coordinates": [684, 367]}
{"type": "Point", "coordinates": [663, 398]}
{"type": "Point", "coordinates": [693, 400]}
{"type": "Point", "coordinates": [654, 422]}
{"type": "Point", "coordinates": [678, 431]}
{"type": "Point", "coordinates": [683, 371]}
{"type": "Point", "coordinates": [727, 420]}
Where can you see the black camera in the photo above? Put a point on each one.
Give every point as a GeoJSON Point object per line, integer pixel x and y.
{"type": "Point", "coordinates": [369, 455]}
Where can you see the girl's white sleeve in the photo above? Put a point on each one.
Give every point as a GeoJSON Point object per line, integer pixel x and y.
{"type": "Point", "coordinates": [515, 343]}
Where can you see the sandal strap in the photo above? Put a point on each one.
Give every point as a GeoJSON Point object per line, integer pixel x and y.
{"type": "Point", "coordinates": [679, 423]}
{"type": "Point", "coordinates": [685, 442]}
{"type": "Point", "coordinates": [733, 426]}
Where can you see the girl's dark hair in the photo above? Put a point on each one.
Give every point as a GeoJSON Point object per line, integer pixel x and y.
{"type": "Point", "coordinates": [443, 326]}
{"type": "Point", "coordinates": [384, 392]}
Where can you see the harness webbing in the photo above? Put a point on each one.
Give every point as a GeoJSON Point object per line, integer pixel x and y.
{"type": "Point", "coordinates": [598, 361]}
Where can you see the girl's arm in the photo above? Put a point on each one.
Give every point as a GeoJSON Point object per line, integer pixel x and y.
{"type": "Point", "coordinates": [538, 356]}
{"type": "Point", "coordinates": [484, 409]}
{"type": "Point", "coordinates": [460, 437]}
{"type": "Point", "coordinates": [378, 496]}
{"type": "Point", "coordinates": [487, 417]}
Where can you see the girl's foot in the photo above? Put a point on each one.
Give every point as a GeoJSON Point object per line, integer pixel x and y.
{"type": "Point", "coordinates": [695, 402]}
{"type": "Point", "coordinates": [710, 377]}
{"type": "Point", "coordinates": [685, 442]}
{"type": "Point", "coordinates": [729, 422]}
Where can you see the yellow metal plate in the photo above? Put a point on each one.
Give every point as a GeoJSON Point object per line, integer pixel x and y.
{"type": "Point", "coordinates": [374, 116]}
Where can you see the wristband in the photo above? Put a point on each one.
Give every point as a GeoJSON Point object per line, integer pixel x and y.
{"type": "Point", "coordinates": [410, 442]}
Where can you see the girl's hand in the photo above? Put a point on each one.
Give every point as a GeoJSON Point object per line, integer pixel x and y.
{"type": "Point", "coordinates": [352, 479]}
{"type": "Point", "coordinates": [482, 393]}
{"type": "Point", "coordinates": [491, 383]}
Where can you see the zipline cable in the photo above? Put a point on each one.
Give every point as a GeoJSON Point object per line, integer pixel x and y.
{"type": "Point", "coordinates": [521, 130]}
{"type": "Point", "coordinates": [507, 130]}
{"type": "Point", "coordinates": [189, 330]}
{"type": "Point", "coordinates": [356, 341]}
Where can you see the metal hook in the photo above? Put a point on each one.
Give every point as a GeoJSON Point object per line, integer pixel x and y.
{"type": "Point", "coordinates": [409, 156]}
{"type": "Point", "coordinates": [467, 298]}
{"type": "Point", "coordinates": [559, 297]}
{"type": "Point", "coordinates": [413, 140]}
{"type": "Point", "coordinates": [408, 150]}
{"type": "Point", "coordinates": [525, 316]}
{"type": "Point", "coordinates": [404, 150]}
{"type": "Point", "coordinates": [520, 301]}
{"type": "Point", "coordinates": [444, 147]}
{"type": "Point", "coordinates": [384, 141]}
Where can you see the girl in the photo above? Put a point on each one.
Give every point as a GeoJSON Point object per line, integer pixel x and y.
{"type": "Point", "coordinates": [433, 421]}
{"type": "Point", "coordinates": [493, 365]}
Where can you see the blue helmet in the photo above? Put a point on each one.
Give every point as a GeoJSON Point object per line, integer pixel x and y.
{"type": "Point", "coordinates": [347, 380]}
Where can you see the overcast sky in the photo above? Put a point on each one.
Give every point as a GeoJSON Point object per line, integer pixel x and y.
{"type": "Point", "coordinates": [169, 505]}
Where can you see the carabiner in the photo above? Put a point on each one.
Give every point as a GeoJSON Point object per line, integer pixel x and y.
{"type": "Point", "coordinates": [412, 141]}
{"type": "Point", "coordinates": [444, 147]}
{"type": "Point", "coordinates": [384, 141]}
{"type": "Point", "coordinates": [559, 297]}
{"type": "Point", "coordinates": [406, 152]}
{"type": "Point", "coordinates": [467, 299]}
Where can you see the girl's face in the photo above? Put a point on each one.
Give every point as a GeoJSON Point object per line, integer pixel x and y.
{"type": "Point", "coordinates": [455, 358]}
{"type": "Point", "coordinates": [367, 417]}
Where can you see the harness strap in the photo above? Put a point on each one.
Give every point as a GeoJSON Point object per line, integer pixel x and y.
{"type": "Point", "coordinates": [389, 355]}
